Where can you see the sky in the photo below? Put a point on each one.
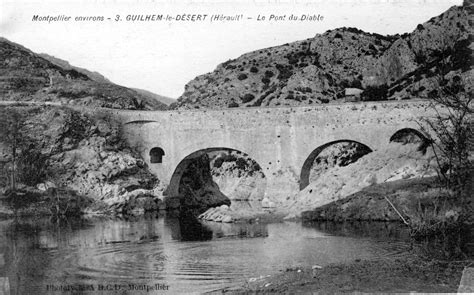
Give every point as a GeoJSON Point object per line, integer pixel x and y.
{"type": "Point", "coordinates": [162, 56]}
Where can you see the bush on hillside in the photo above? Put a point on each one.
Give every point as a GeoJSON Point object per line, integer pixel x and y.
{"type": "Point", "coordinates": [254, 69]}
{"type": "Point", "coordinates": [375, 93]}
{"type": "Point", "coordinates": [269, 74]}
{"type": "Point", "coordinates": [242, 76]}
{"type": "Point", "coordinates": [247, 97]}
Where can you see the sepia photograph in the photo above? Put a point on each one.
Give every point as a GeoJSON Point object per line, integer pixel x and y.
{"type": "Point", "coordinates": [237, 147]}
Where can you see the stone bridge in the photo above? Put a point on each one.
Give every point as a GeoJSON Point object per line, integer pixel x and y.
{"type": "Point", "coordinates": [284, 141]}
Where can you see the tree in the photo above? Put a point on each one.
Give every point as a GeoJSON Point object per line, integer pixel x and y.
{"type": "Point", "coordinates": [452, 125]}
{"type": "Point", "coordinates": [452, 101]}
{"type": "Point", "coordinates": [12, 138]}
{"type": "Point", "coordinates": [452, 143]}
{"type": "Point", "coordinates": [452, 128]}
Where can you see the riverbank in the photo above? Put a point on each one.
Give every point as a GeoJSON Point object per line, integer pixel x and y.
{"type": "Point", "coordinates": [405, 275]}
{"type": "Point", "coordinates": [390, 201]}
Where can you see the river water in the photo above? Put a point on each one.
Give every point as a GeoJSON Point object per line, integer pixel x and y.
{"type": "Point", "coordinates": [184, 256]}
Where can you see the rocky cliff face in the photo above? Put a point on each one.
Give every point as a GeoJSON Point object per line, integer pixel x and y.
{"type": "Point", "coordinates": [27, 76]}
{"type": "Point", "coordinates": [340, 154]}
{"type": "Point", "coordinates": [62, 149]}
{"type": "Point", "coordinates": [197, 189]}
{"type": "Point", "coordinates": [320, 69]}
{"type": "Point", "coordinates": [238, 177]}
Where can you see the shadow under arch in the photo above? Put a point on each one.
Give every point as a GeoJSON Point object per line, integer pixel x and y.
{"type": "Point", "coordinates": [308, 163]}
{"type": "Point", "coordinates": [409, 135]}
{"type": "Point", "coordinates": [173, 188]}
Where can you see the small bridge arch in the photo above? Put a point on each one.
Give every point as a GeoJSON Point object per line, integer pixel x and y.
{"type": "Point", "coordinates": [156, 155]}
{"type": "Point", "coordinates": [409, 135]}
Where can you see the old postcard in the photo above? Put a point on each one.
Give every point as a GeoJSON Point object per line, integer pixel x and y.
{"type": "Point", "coordinates": [286, 146]}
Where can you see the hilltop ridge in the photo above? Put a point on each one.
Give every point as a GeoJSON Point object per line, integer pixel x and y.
{"type": "Point", "coordinates": [28, 76]}
{"type": "Point", "coordinates": [326, 67]}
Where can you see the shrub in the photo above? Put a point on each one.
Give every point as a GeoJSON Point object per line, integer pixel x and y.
{"type": "Point", "coordinates": [247, 97]}
{"type": "Point", "coordinates": [356, 84]}
{"type": "Point", "coordinates": [259, 101]}
{"type": "Point", "coordinates": [218, 162]}
{"type": "Point", "coordinates": [233, 104]}
{"type": "Point", "coordinates": [224, 158]}
{"type": "Point", "coordinates": [242, 76]}
{"type": "Point", "coordinates": [461, 58]}
{"type": "Point", "coordinates": [304, 89]}
{"type": "Point", "coordinates": [324, 100]}
{"type": "Point", "coordinates": [254, 69]}
{"type": "Point", "coordinates": [31, 167]}
{"type": "Point", "coordinates": [285, 72]}
{"type": "Point", "coordinates": [78, 124]}
{"type": "Point", "coordinates": [375, 93]}
{"type": "Point", "coordinates": [265, 80]}
{"type": "Point", "coordinates": [228, 62]}
{"type": "Point", "coordinates": [292, 60]}
{"type": "Point", "coordinates": [269, 74]}
{"type": "Point", "coordinates": [20, 83]}
{"type": "Point", "coordinates": [241, 163]}
{"type": "Point", "coordinates": [316, 60]}
{"type": "Point", "coordinates": [71, 93]}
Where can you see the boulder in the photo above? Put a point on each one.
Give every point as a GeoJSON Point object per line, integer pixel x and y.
{"type": "Point", "coordinates": [45, 186]}
{"type": "Point", "coordinates": [369, 179]}
{"type": "Point", "coordinates": [218, 214]}
{"type": "Point", "coordinates": [226, 219]}
{"type": "Point", "coordinates": [197, 190]}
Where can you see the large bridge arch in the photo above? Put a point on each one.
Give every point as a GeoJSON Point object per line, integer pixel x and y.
{"type": "Point", "coordinates": [308, 163]}
{"type": "Point", "coordinates": [173, 187]}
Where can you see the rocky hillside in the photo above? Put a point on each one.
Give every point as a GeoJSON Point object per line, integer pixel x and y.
{"type": "Point", "coordinates": [163, 99]}
{"type": "Point", "coordinates": [84, 154]}
{"type": "Point", "coordinates": [67, 66]}
{"type": "Point", "coordinates": [343, 61]}
{"type": "Point", "coordinates": [396, 161]}
{"type": "Point", "coordinates": [27, 76]}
